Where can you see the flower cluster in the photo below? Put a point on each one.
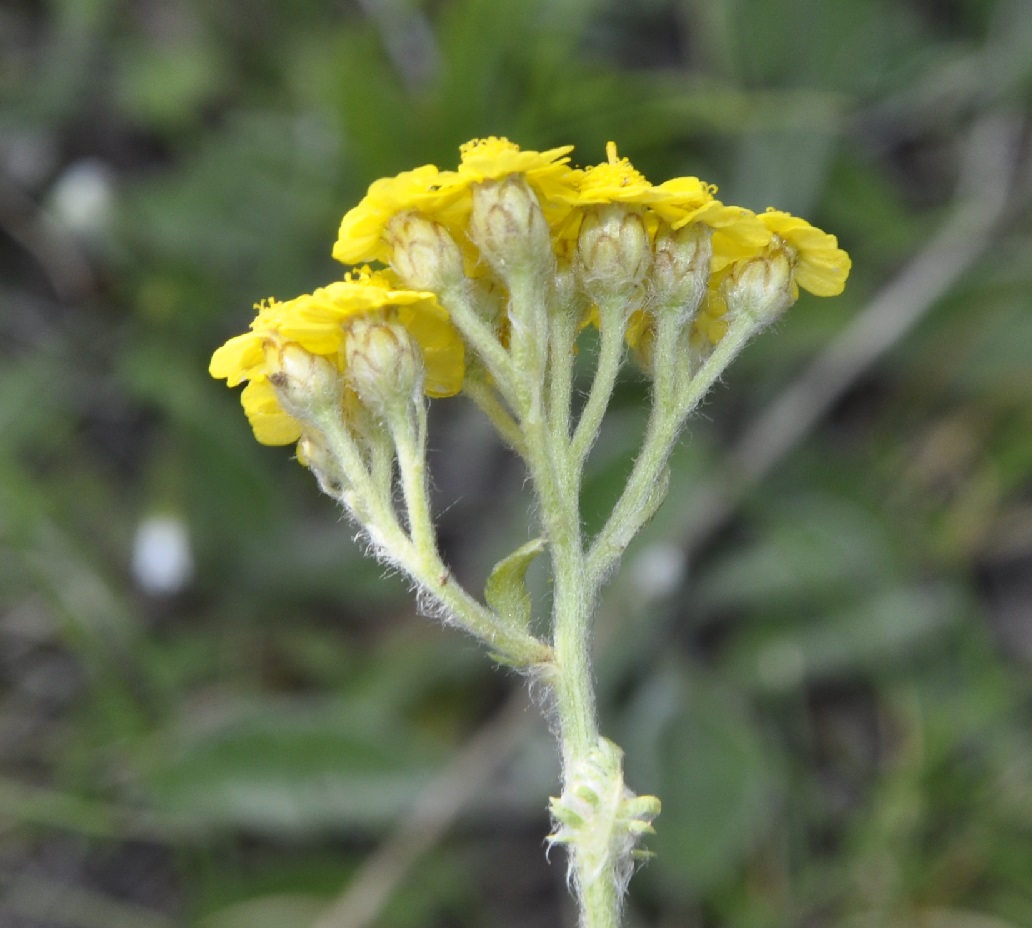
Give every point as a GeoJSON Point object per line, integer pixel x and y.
{"type": "Point", "coordinates": [487, 277]}
{"type": "Point", "coordinates": [320, 326]}
{"type": "Point", "coordinates": [602, 234]}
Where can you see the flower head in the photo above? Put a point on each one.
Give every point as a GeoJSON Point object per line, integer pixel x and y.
{"type": "Point", "coordinates": [821, 267]}
{"type": "Point", "coordinates": [615, 180]}
{"type": "Point", "coordinates": [424, 190]}
{"type": "Point", "coordinates": [319, 324]}
{"type": "Point", "coordinates": [445, 197]}
{"type": "Point", "coordinates": [601, 234]}
{"type": "Point", "coordinates": [493, 158]}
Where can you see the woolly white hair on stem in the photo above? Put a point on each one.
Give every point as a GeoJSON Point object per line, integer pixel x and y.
{"type": "Point", "coordinates": [600, 819]}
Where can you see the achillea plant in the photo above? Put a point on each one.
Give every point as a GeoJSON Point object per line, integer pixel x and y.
{"type": "Point", "coordinates": [489, 274]}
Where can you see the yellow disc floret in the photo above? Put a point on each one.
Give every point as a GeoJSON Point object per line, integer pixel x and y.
{"type": "Point", "coordinates": [493, 158]}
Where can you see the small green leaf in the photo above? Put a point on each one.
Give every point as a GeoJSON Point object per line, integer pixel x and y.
{"type": "Point", "coordinates": [506, 589]}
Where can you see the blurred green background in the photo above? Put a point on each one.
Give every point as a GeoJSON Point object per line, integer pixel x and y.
{"type": "Point", "coordinates": [215, 712]}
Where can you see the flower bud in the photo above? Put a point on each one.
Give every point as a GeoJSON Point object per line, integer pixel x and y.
{"type": "Point", "coordinates": [760, 289]}
{"type": "Point", "coordinates": [681, 268]}
{"type": "Point", "coordinates": [423, 254]}
{"type": "Point", "coordinates": [613, 252]}
{"type": "Point", "coordinates": [507, 225]}
{"type": "Point", "coordinates": [306, 384]}
{"type": "Point", "coordinates": [313, 454]}
{"type": "Point", "coordinates": [384, 364]}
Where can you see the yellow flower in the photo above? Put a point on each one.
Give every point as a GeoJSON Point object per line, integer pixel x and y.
{"type": "Point", "coordinates": [615, 180]}
{"type": "Point", "coordinates": [820, 265]}
{"type": "Point", "coordinates": [318, 323]}
{"type": "Point", "coordinates": [494, 157]}
{"type": "Point", "coordinates": [737, 232]}
{"type": "Point", "coordinates": [677, 202]}
{"type": "Point", "coordinates": [444, 196]}
{"type": "Point", "coordinates": [678, 195]}
{"type": "Point", "coordinates": [425, 190]}
{"type": "Point", "coordinates": [270, 424]}
{"type": "Point", "coordinates": [242, 358]}
{"type": "Point", "coordinates": [438, 227]}
{"type": "Point", "coordinates": [710, 324]}
{"type": "Point", "coordinates": [547, 173]}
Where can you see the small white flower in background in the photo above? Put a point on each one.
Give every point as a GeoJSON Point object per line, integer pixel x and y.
{"type": "Point", "coordinates": [162, 557]}
{"type": "Point", "coordinates": [82, 198]}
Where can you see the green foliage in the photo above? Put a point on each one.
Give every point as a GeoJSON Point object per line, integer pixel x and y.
{"type": "Point", "coordinates": [282, 769]}
{"type": "Point", "coordinates": [831, 696]}
{"type": "Point", "coordinates": [709, 758]}
{"type": "Point", "coordinates": [506, 590]}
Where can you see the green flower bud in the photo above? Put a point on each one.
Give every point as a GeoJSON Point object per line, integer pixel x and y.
{"type": "Point", "coordinates": [423, 253]}
{"type": "Point", "coordinates": [384, 364]}
{"type": "Point", "coordinates": [507, 225]}
{"type": "Point", "coordinates": [306, 384]}
{"type": "Point", "coordinates": [760, 289]}
{"type": "Point", "coordinates": [613, 253]}
{"type": "Point", "coordinates": [599, 818]}
{"type": "Point", "coordinates": [681, 269]}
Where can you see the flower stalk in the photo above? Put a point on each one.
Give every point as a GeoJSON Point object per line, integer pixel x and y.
{"type": "Point", "coordinates": [488, 275]}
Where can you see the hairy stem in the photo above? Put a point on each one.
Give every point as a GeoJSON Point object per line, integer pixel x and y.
{"type": "Point", "coordinates": [610, 355]}
{"type": "Point", "coordinates": [417, 555]}
{"type": "Point", "coordinates": [674, 399]}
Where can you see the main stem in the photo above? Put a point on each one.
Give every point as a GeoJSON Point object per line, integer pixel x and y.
{"type": "Point", "coordinates": [573, 612]}
{"type": "Point", "coordinates": [555, 471]}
